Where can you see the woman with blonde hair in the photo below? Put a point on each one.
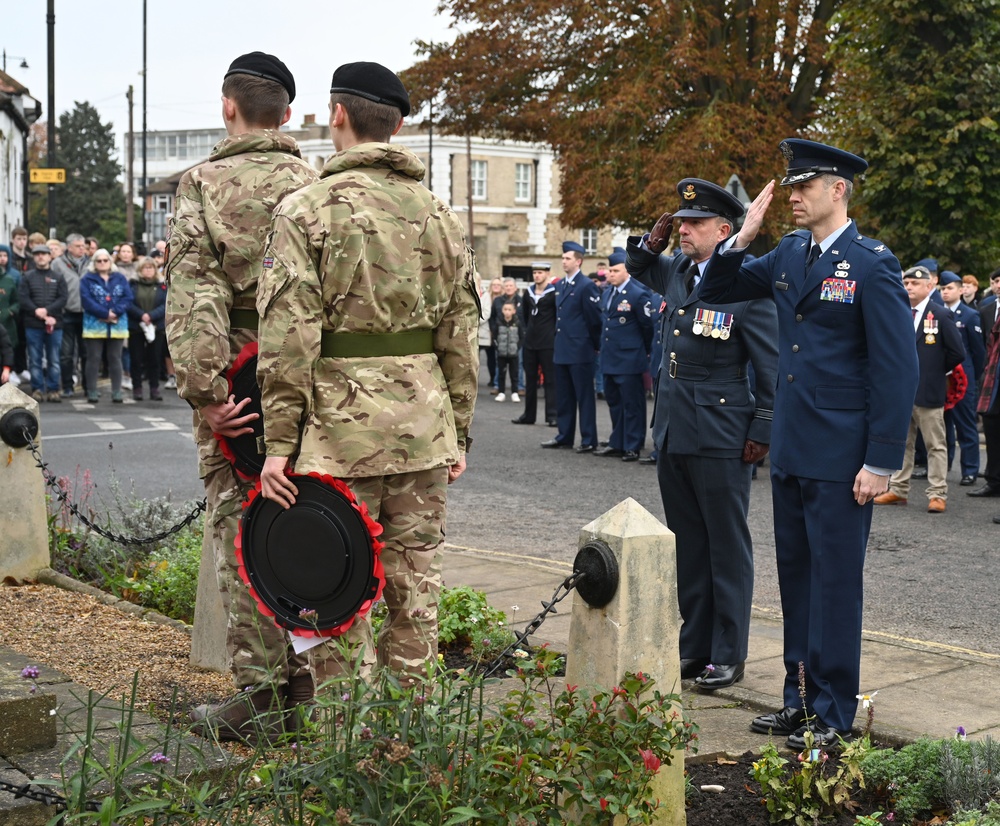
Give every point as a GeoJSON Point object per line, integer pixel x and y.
{"type": "Point", "coordinates": [106, 297]}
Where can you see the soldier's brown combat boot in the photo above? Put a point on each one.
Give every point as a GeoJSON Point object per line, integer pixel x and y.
{"type": "Point", "coordinates": [247, 715]}
{"type": "Point", "coordinates": [299, 694]}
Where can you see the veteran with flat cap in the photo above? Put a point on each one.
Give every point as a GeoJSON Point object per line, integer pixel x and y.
{"type": "Point", "coordinates": [709, 429]}
{"type": "Point", "coordinates": [847, 375]}
{"type": "Point", "coordinates": [369, 325]}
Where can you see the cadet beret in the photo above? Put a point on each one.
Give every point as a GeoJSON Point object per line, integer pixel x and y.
{"type": "Point", "coordinates": [948, 277]}
{"type": "Point", "coordinates": [540, 265]}
{"type": "Point", "coordinates": [572, 246]}
{"type": "Point", "coordinates": [371, 81]}
{"type": "Point", "coordinates": [266, 66]}
{"type": "Point", "coordinates": [929, 263]}
{"type": "Point", "coordinates": [40, 248]}
{"type": "Point", "coordinates": [703, 199]}
{"type": "Point", "coordinates": [807, 160]}
{"type": "Point", "coordinates": [617, 256]}
{"type": "Point", "coordinates": [918, 273]}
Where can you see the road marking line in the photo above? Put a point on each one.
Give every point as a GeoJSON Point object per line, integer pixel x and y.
{"type": "Point", "coordinates": [104, 433]}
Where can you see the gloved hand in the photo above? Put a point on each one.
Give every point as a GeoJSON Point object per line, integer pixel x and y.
{"type": "Point", "coordinates": [660, 233]}
{"type": "Point", "coordinates": [753, 451]}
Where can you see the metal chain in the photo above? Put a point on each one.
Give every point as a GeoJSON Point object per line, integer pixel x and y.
{"type": "Point", "coordinates": [38, 794]}
{"type": "Point", "coordinates": [561, 592]}
{"type": "Point", "coordinates": [62, 496]}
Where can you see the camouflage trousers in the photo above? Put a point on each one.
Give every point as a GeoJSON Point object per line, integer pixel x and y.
{"type": "Point", "coordinates": [410, 507]}
{"type": "Point", "coordinates": [259, 651]}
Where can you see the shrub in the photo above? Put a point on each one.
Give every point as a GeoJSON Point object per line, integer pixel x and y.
{"type": "Point", "coordinates": [464, 611]}
{"type": "Point", "coordinates": [910, 778]}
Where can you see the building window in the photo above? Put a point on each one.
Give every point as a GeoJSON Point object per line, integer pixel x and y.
{"type": "Point", "coordinates": [161, 203]}
{"type": "Point", "coordinates": [588, 238]}
{"type": "Point", "coordinates": [479, 180]}
{"type": "Point", "coordinates": [522, 182]}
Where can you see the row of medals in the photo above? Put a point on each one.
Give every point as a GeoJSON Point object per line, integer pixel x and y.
{"type": "Point", "coordinates": [712, 323]}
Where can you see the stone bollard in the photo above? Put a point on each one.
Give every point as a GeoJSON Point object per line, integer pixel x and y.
{"type": "Point", "coordinates": [638, 630]}
{"type": "Point", "coordinates": [208, 635]}
{"type": "Point", "coordinates": [24, 541]}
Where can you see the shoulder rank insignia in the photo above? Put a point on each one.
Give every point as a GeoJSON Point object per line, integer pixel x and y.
{"type": "Point", "coordinates": [880, 248]}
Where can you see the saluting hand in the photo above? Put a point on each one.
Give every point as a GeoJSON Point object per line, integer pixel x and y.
{"type": "Point", "coordinates": [275, 484]}
{"type": "Point", "coordinates": [660, 233]}
{"type": "Point", "coordinates": [755, 217]}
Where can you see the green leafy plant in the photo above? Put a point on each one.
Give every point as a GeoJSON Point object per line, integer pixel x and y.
{"type": "Point", "coordinates": [970, 772]}
{"type": "Point", "coordinates": [909, 778]}
{"type": "Point", "coordinates": [988, 817]}
{"type": "Point", "coordinates": [464, 611]}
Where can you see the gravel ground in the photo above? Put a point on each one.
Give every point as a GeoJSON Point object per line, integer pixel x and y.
{"type": "Point", "coordinates": [86, 640]}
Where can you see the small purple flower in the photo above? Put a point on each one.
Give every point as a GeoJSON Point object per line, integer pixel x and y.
{"type": "Point", "coordinates": [960, 732]}
{"type": "Point", "coordinates": [366, 733]}
{"type": "Point", "coordinates": [308, 614]}
{"type": "Point", "coordinates": [346, 697]}
{"type": "Point", "coordinates": [159, 757]}
{"type": "Point", "coordinates": [891, 816]}
{"type": "Point", "coordinates": [295, 747]}
{"type": "Point", "coordinates": [710, 668]}
{"type": "Point", "coordinates": [30, 672]}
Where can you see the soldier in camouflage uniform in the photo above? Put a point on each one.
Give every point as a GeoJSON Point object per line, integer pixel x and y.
{"type": "Point", "coordinates": [369, 320]}
{"type": "Point", "coordinates": [222, 216]}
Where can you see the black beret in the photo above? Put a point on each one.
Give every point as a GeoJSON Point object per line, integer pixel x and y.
{"type": "Point", "coordinates": [371, 81]}
{"type": "Point", "coordinates": [266, 66]}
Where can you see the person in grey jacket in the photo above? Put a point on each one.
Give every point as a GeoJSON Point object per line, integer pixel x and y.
{"type": "Point", "coordinates": [72, 265]}
{"type": "Point", "coordinates": [508, 339]}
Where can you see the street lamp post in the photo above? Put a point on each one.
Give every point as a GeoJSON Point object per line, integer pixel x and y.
{"type": "Point", "coordinates": [24, 60]}
{"type": "Point", "coordinates": [50, 19]}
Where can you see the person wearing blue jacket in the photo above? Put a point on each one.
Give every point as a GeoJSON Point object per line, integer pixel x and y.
{"type": "Point", "coordinates": [847, 377]}
{"type": "Point", "coordinates": [105, 297]}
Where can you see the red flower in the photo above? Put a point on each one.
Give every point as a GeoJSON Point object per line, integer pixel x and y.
{"type": "Point", "coordinates": [604, 804]}
{"type": "Point", "coordinates": [650, 760]}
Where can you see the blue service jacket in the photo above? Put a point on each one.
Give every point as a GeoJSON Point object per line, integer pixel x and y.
{"type": "Point", "coordinates": [628, 329]}
{"type": "Point", "coordinates": [578, 320]}
{"type": "Point", "coordinates": [969, 324]}
{"type": "Point", "coordinates": [703, 395]}
{"type": "Point", "coordinates": [847, 367]}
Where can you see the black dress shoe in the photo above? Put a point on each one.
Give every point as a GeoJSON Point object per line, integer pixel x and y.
{"type": "Point", "coordinates": [647, 460]}
{"type": "Point", "coordinates": [787, 721]}
{"type": "Point", "coordinates": [522, 420]}
{"type": "Point", "coordinates": [720, 676]}
{"type": "Point", "coordinates": [824, 737]}
{"type": "Point", "coordinates": [603, 444]}
{"type": "Point", "coordinates": [585, 449]}
{"type": "Point", "coordinates": [608, 451]}
{"type": "Point", "coordinates": [919, 473]}
{"type": "Point", "coordinates": [996, 520]}
{"type": "Point", "coordinates": [555, 443]}
{"type": "Point", "coordinates": [630, 456]}
{"type": "Point", "coordinates": [552, 423]}
{"type": "Point", "coordinates": [692, 668]}
{"type": "Point", "coordinates": [967, 481]}
{"type": "Point", "coordinates": [989, 489]}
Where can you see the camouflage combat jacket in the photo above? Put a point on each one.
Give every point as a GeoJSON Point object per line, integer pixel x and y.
{"type": "Point", "coordinates": [222, 215]}
{"type": "Point", "coordinates": [368, 249]}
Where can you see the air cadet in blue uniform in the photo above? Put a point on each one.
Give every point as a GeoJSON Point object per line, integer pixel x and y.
{"type": "Point", "coordinates": [625, 344]}
{"type": "Point", "coordinates": [578, 338]}
{"type": "Point", "coordinates": [708, 429]}
{"type": "Point", "coordinates": [960, 420]}
{"type": "Point", "coordinates": [847, 375]}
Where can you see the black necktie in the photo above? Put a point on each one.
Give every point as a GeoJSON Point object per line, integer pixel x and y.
{"type": "Point", "coordinates": [692, 271]}
{"type": "Point", "coordinates": [814, 253]}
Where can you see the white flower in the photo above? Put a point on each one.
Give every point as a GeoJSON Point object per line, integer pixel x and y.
{"type": "Point", "coordinates": [867, 699]}
{"type": "Point", "coordinates": [515, 608]}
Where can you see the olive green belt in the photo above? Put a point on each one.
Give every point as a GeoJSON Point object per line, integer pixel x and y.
{"type": "Point", "coordinates": [244, 318]}
{"type": "Point", "coordinates": [369, 345]}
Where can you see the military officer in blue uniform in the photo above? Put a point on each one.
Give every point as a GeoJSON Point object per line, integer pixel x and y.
{"type": "Point", "coordinates": [625, 343]}
{"type": "Point", "coordinates": [847, 375]}
{"type": "Point", "coordinates": [708, 429]}
{"type": "Point", "coordinates": [578, 338]}
{"type": "Point", "coordinates": [960, 420]}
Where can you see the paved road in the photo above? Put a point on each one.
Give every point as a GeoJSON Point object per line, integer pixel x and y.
{"type": "Point", "coordinates": [929, 577]}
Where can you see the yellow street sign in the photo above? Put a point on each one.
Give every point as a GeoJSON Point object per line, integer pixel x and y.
{"type": "Point", "coordinates": [48, 176]}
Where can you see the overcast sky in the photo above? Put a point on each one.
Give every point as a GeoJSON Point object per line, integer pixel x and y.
{"type": "Point", "coordinates": [190, 44]}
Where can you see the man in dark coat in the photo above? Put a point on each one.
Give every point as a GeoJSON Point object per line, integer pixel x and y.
{"type": "Point", "coordinates": [847, 373]}
{"type": "Point", "coordinates": [708, 428]}
{"type": "Point", "coordinates": [939, 351]}
{"type": "Point", "coordinates": [988, 405]}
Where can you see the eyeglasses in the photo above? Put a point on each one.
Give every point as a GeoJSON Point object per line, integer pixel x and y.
{"type": "Point", "coordinates": [102, 260]}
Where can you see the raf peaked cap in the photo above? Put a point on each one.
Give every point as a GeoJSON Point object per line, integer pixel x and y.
{"type": "Point", "coordinates": [703, 199]}
{"type": "Point", "coordinates": [371, 81]}
{"type": "Point", "coordinates": [266, 66]}
{"type": "Point", "coordinates": [918, 273]}
{"type": "Point", "coordinates": [929, 263]}
{"type": "Point", "coordinates": [540, 265]}
{"type": "Point", "coordinates": [572, 246]}
{"type": "Point", "coordinates": [948, 277]}
{"type": "Point", "coordinates": [617, 256]}
{"type": "Point", "coordinates": [807, 160]}
{"type": "Point", "coordinates": [35, 250]}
